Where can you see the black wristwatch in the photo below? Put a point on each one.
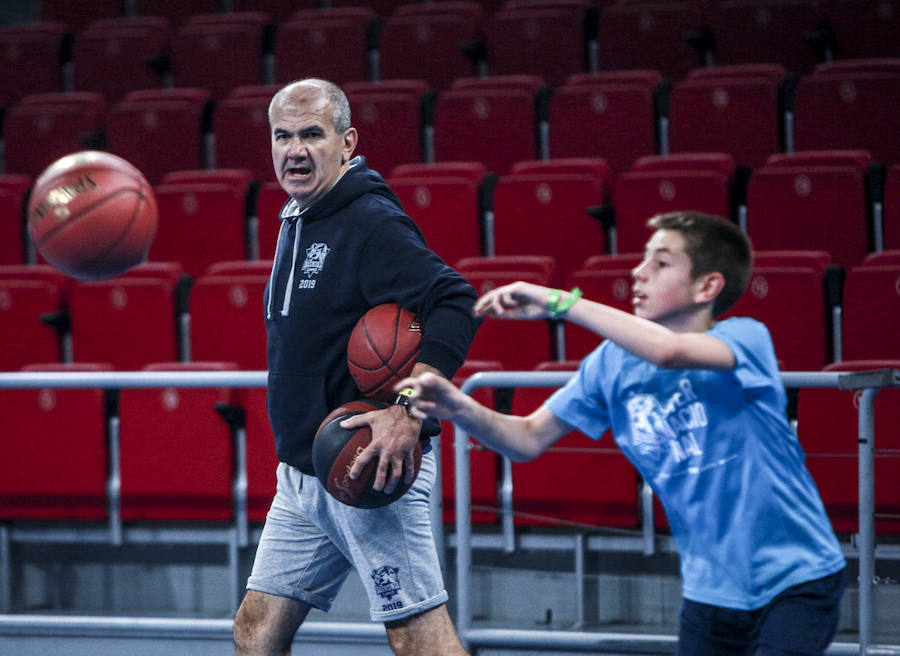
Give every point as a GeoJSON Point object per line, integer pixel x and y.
{"type": "Point", "coordinates": [403, 399]}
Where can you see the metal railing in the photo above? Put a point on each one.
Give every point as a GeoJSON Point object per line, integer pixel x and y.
{"type": "Point", "coordinates": [237, 535]}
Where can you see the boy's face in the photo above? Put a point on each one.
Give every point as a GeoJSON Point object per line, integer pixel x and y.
{"type": "Point", "coordinates": [663, 289]}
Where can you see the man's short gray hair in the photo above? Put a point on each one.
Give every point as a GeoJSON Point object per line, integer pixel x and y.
{"type": "Point", "coordinates": [340, 116]}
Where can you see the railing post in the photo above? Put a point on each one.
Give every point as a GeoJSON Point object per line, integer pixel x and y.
{"type": "Point", "coordinates": [866, 516]}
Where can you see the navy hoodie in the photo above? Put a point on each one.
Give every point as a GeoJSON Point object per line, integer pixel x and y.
{"type": "Point", "coordinates": [349, 251]}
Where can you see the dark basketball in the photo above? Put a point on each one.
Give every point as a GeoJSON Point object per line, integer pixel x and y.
{"type": "Point", "coordinates": [335, 449]}
{"type": "Point", "coordinates": [383, 348]}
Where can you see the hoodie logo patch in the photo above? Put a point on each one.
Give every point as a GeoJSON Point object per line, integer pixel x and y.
{"type": "Point", "coordinates": [315, 259]}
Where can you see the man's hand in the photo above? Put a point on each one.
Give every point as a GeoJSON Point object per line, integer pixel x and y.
{"type": "Point", "coordinates": [394, 438]}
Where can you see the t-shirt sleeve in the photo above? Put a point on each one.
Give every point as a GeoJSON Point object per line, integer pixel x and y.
{"type": "Point", "coordinates": [753, 350]}
{"type": "Point", "coordinates": [581, 402]}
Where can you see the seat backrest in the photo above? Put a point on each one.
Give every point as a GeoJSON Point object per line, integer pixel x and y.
{"type": "Point", "coordinates": [13, 240]}
{"type": "Point", "coordinates": [542, 264]}
{"type": "Point", "coordinates": [389, 118]}
{"type": "Point", "coordinates": [193, 213]}
{"type": "Point", "coordinates": [41, 475]}
{"type": "Point", "coordinates": [227, 319]}
{"type": "Point", "coordinates": [547, 214]}
{"type": "Point", "coordinates": [608, 285]}
{"type": "Point", "coordinates": [517, 345]}
{"type": "Point", "coordinates": [891, 219]}
{"type": "Point", "coordinates": [269, 202]}
{"type": "Point", "coordinates": [739, 115]}
{"type": "Point", "coordinates": [641, 194]}
{"type": "Point", "coordinates": [818, 207]}
{"type": "Point", "coordinates": [241, 130]}
{"type": "Point", "coordinates": [648, 35]}
{"type": "Point", "coordinates": [828, 428]}
{"type": "Point", "coordinates": [871, 312]}
{"type": "Point", "coordinates": [848, 110]}
{"type": "Point", "coordinates": [26, 338]}
{"type": "Point", "coordinates": [317, 33]}
{"type": "Point", "coordinates": [176, 451]}
{"type": "Point", "coordinates": [799, 330]}
{"type": "Point", "coordinates": [491, 120]}
{"type": "Point", "coordinates": [557, 32]}
{"type": "Point", "coordinates": [41, 128]}
{"type": "Point", "coordinates": [160, 130]}
{"type": "Point", "coordinates": [219, 51]}
{"type": "Point", "coordinates": [30, 57]}
{"type": "Point", "coordinates": [116, 55]}
{"type": "Point", "coordinates": [126, 321]}
{"type": "Point", "coordinates": [614, 118]}
{"type": "Point", "coordinates": [435, 32]}
{"type": "Point", "coordinates": [562, 486]}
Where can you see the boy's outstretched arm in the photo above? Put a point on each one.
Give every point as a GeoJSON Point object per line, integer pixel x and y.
{"type": "Point", "coordinates": [517, 438]}
{"type": "Point", "coordinates": [646, 339]}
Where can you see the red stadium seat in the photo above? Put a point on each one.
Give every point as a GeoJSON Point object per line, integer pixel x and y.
{"type": "Point", "coordinates": [484, 464]}
{"type": "Point", "coordinates": [116, 55]}
{"type": "Point", "coordinates": [78, 15]}
{"type": "Point", "coordinates": [607, 285]}
{"type": "Point", "coordinates": [578, 480]}
{"type": "Point", "coordinates": [740, 115]}
{"type": "Point", "coordinates": [269, 202]}
{"type": "Point", "coordinates": [317, 33]}
{"type": "Point", "coordinates": [756, 31]}
{"type": "Point", "coordinates": [240, 268]}
{"type": "Point", "coordinates": [618, 262]}
{"type": "Point", "coordinates": [865, 28]}
{"type": "Point", "coordinates": [261, 459]}
{"type": "Point", "coordinates": [852, 109]}
{"type": "Point", "coordinates": [43, 127]}
{"type": "Point", "coordinates": [828, 427]}
{"type": "Point", "coordinates": [871, 311]}
{"type": "Point", "coordinates": [227, 319]}
{"type": "Point", "coordinates": [799, 330]}
{"type": "Point", "coordinates": [389, 116]}
{"type": "Point", "coordinates": [160, 130]}
{"type": "Point", "coordinates": [607, 114]}
{"type": "Point", "coordinates": [128, 321]}
{"type": "Point", "coordinates": [26, 337]}
{"type": "Point", "coordinates": [13, 233]}
{"type": "Point", "coordinates": [654, 186]}
{"type": "Point", "coordinates": [219, 52]}
{"type": "Point", "coordinates": [650, 35]}
{"type": "Point", "coordinates": [544, 265]}
{"type": "Point", "coordinates": [446, 200]}
{"type": "Point", "coordinates": [176, 451]}
{"type": "Point", "coordinates": [816, 206]}
{"type": "Point", "coordinates": [43, 476]}
{"type": "Point", "coordinates": [882, 258]}
{"type": "Point", "coordinates": [193, 213]}
{"type": "Point", "coordinates": [560, 32]}
{"type": "Point", "coordinates": [492, 120]}
{"type": "Point", "coordinates": [30, 57]}
{"type": "Point", "coordinates": [517, 345]}
{"type": "Point", "coordinates": [439, 31]}
{"type": "Point", "coordinates": [241, 131]}
{"type": "Point", "coordinates": [549, 213]}
{"type": "Point", "coordinates": [178, 12]}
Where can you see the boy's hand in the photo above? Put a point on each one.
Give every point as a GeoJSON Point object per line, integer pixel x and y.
{"type": "Point", "coordinates": [519, 300]}
{"type": "Point", "coordinates": [433, 396]}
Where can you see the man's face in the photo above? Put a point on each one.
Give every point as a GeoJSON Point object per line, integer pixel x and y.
{"type": "Point", "coordinates": [307, 153]}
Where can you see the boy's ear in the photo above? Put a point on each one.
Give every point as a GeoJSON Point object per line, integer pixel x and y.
{"type": "Point", "coordinates": [708, 286]}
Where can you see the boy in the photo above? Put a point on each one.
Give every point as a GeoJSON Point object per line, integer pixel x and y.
{"type": "Point", "coordinates": [699, 408]}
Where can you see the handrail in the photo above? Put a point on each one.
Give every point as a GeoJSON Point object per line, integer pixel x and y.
{"type": "Point", "coordinates": [869, 381]}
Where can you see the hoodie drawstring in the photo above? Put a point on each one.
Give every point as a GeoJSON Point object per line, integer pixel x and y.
{"type": "Point", "coordinates": [286, 306]}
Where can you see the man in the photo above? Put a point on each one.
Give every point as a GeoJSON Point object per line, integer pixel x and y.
{"type": "Point", "coordinates": [345, 245]}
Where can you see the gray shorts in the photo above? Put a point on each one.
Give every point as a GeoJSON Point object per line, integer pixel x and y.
{"type": "Point", "coordinates": [311, 541]}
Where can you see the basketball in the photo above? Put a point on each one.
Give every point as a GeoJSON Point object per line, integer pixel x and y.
{"type": "Point", "coordinates": [334, 451]}
{"type": "Point", "coordinates": [383, 348]}
{"type": "Point", "coordinates": [92, 215]}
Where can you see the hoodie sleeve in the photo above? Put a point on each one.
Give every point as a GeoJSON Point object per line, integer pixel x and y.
{"type": "Point", "coordinates": [396, 266]}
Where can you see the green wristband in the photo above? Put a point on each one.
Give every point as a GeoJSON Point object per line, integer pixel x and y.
{"type": "Point", "coordinates": [558, 309]}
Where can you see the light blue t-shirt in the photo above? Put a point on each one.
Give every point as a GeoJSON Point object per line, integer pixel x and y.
{"type": "Point", "coordinates": [717, 449]}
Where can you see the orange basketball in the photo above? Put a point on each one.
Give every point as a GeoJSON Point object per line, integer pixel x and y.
{"type": "Point", "coordinates": [92, 215]}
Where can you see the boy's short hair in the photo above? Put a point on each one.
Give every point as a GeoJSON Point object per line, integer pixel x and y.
{"type": "Point", "coordinates": [713, 244]}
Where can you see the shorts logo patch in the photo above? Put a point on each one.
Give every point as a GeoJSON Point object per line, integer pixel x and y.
{"type": "Point", "coordinates": [387, 583]}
